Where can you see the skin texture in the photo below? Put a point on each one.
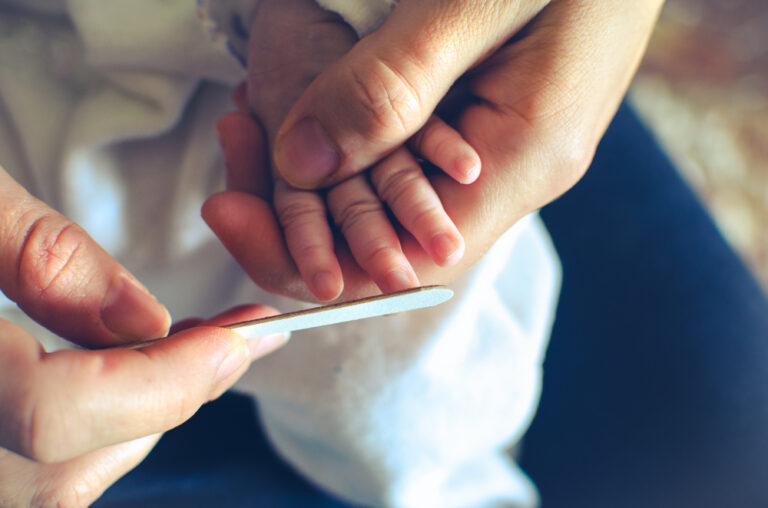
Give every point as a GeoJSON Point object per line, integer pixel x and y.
{"type": "Point", "coordinates": [532, 107]}
{"type": "Point", "coordinates": [74, 421]}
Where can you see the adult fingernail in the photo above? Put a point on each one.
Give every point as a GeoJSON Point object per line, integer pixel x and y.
{"type": "Point", "coordinates": [130, 311]}
{"type": "Point", "coordinates": [233, 362]}
{"type": "Point", "coordinates": [306, 155]}
{"type": "Point", "coordinates": [262, 346]}
{"type": "Point", "coordinates": [447, 249]}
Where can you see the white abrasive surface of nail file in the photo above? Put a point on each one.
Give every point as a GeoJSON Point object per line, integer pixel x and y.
{"type": "Point", "coordinates": [410, 299]}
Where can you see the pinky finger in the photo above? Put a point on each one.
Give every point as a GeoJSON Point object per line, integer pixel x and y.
{"type": "Point", "coordinates": [443, 146]}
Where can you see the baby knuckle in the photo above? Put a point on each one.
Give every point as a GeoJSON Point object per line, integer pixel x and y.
{"type": "Point", "coordinates": [355, 213]}
{"type": "Point", "coordinates": [400, 184]}
{"type": "Point", "coordinates": [425, 217]}
{"type": "Point", "coordinates": [311, 251]}
{"type": "Point", "coordinates": [297, 212]}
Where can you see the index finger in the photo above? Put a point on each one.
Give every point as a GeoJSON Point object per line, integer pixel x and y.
{"type": "Point", "coordinates": [59, 405]}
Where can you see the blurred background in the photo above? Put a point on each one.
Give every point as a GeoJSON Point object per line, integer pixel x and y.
{"type": "Point", "coordinates": [703, 90]}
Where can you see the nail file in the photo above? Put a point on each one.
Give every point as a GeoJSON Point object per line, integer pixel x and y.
{"type": "Point", "coordinates": [382, 305]}
{"type": "Point", "coordinates": [401, 301]}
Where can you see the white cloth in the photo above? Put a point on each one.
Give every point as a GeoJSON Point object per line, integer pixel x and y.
{"type": "Point", "coordinates": [107, 112]}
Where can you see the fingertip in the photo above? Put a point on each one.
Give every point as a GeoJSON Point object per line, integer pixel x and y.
{"type": "Point", "coordinates": [229, 213]}
{"type": "Point", "coordinates": [228, 125]}
{"type": "Point", "coordinates": [326, 285]}
{"type": "Point", "coordinates": [447, 249]}
{"type": "Point", "coordinates": [262, 346]}
{"type": "Point", "coordinates": [258, 346]}
{"type": "Point", "coordinates": [466, 168]}
{"type": "Point", "coordinates": [210, 207]}
{"type": "Point", "coordinates": [132, 313]}
{"type": "Point", "coordinates": [447, 149]}
{"type": "Point", "coordinates": [399, 279]}
{"type": "Point", "coordinates": [216, 212]}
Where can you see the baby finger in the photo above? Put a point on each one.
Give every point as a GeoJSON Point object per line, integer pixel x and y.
{"type": "Point", "coordinates": [372, 239]}
{"type": "Point", "coordinates": [401, 183]}
{"type": "Point", "coordinates": [308, 236]}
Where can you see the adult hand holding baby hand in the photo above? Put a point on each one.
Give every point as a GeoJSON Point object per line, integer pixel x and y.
{"type": "Point", "coordinates": [292, 42]}
{"type": "Point", "coordinates": [533, 108]}
{"type": "Point", "coordinates": [74, 421]}
{"type": "Point", "coordinates": [299, 32]}
{"type": "Point", "coordinates": [379, 94]}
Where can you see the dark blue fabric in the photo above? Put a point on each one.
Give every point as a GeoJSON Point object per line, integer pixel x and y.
{"type": "Point", "coordinates": [656, 379]}
{"type": "Point", "coordinates": [219, 458]}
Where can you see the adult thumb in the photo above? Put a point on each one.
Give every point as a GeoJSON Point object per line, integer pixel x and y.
{"type": "Point", "coordinates": [65, 281]}
{"type": "Point", "coordinates": [379, 94]}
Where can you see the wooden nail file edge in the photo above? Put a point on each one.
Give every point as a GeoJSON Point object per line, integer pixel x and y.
{"type": "Point", "coordinates": [374, 306]}
{"type": "Point", "coordinates": [382, 305]}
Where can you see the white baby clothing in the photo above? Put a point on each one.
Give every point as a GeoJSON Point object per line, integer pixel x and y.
{"type": "Point", "coordinates": [107, 113]}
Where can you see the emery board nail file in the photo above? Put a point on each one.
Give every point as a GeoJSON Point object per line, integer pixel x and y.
{"type": "Point", "coordinates": [401, 301]}
{"type": "Point", "coordinates": [382, 305]}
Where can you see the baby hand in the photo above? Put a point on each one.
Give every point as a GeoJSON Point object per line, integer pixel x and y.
{"type": "Point", "coordinates": [533, 107]}
{"type": "Point", "coordinates": [360, 206]}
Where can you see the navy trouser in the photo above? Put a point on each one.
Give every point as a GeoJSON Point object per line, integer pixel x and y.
{"type": "Point", "coordinates": [656, 378]}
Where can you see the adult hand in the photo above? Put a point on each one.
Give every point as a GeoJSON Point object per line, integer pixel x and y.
{"type": "Point", "coordinates": [384, 90]}
{"type": "Point", "coordinates": [534, 110]}
{"type": "Point", "coordinates": [74, 421]}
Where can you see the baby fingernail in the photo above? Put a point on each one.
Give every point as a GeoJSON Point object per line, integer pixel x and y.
{"type": "Point", "coordinates": [232, 363]}
{"type": "Point", "coordinates": [307, 155]}
{"type": "Point", "coordinates": [397, 280]}
{"type": "Point", "coordinates": [130, 311]}
{"type": "Point", "coordinates": [324, 286]}
{"type": "Point", "coordinates": [447, 249]}
{"type": "Point", "coordinates": [469, 167]}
